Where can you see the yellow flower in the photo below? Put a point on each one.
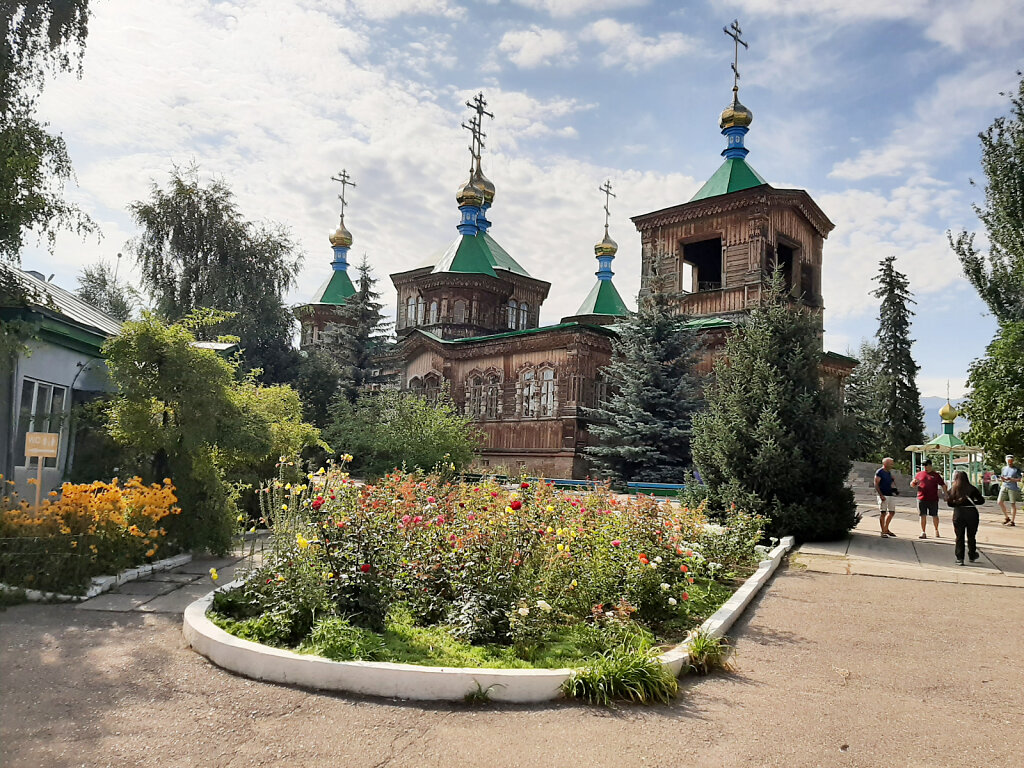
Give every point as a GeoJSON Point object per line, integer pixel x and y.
{"type": "Point", "coordinates": [288, 487]}
{"type": "Point", "coordinates": [573, 583]}
{"type": "Point", "coordinates": [240, 518]}
{"type": "Point", "coordinates": [280, 577]}
{"type": "Point", "coordinates": [550, 508]}
{"type": "Point", "coordinates": [302, 541]}
{"type": "Point", "coordinates": [150, 552]}
{"type": "Point", "coordinates": [330, 575]}
{"type": "Point", "coordinates": [347, 457]}
{"type": "Point", "coordinates": [561, 547]}
{"type": "Point", "coordinates": [551, 529]}
{"type": "Point", "coordinates": [321, 471]}
{"type": "Point", "coordinates": [213, 574]}
{"type": "Point", "coordinates": [74, 544]}
{"type": "Point", "coordinates": [284, 507]}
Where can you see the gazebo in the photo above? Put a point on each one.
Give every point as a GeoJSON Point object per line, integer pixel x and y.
{"type": "Point", "coordinates": [945, 449]}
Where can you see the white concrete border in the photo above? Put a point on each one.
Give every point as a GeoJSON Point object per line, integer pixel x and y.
{"type": "Point", "coordinates": [411, 681]}
{"type": "Point", "coordinates": [101, 584]}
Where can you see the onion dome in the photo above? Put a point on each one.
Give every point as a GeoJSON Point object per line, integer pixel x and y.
{"type": "Point", "coordinates": [485, 185]}
{"type": "Point", "coordinates": [948, 413]}
{"type": "Point", "coordinates": [341, 238]}
{"type": "Point", "coordinates": [735, 115]}
{"type": "Point", "coordinates": [470, 194]}
{"type": "Point", "coordinates": [607, 246]}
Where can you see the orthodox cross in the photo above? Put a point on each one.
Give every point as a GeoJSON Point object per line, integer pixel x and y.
{"type": "Point", "coordinates": [478, 139]}
{"type": "Point", "coordinates": [734, 31]}
{"type": "Point", "coordinates": [608, 195]}
{"type": "Point", "coordinates": [346, 181]}
{"type": "Point", "coordinates": [479, 105]}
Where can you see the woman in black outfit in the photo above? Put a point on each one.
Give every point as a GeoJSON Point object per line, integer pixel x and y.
{"type": "Point", "coordinates": [964, 498]}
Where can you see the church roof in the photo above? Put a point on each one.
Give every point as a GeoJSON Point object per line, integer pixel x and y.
{"type": "Point", "coordinates": [335, 289]}
{"type": "Point", "coordinates": [732, 176]}
{"type": "Point", "coordinates": [477, 254]}
{"type": "Point", "coordinates": [603, 299]}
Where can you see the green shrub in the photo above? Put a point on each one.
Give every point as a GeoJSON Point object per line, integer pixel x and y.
{"type": "Point", "coordinates": [708, 653]}
{"type": "Point", "coordinates": [333, 637]}
{"type": "Point", "coordinates": [625, 673]}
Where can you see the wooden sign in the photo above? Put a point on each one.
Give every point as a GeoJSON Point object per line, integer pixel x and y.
{"type": "Point", "coordinates": [41, 444]}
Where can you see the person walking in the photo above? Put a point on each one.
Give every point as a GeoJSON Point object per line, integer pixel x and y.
{"type": "Point", "coordinates": [885, 490]}
{"type": "Point", "coordinates": [964, 499]}
{"type": "Point", "coordinates": [927, 482]}
{"type": "Point", "coordinates": [1010, 479]}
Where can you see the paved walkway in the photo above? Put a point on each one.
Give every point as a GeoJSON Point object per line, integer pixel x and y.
{"type": "Point", "coordinates": [865, 552]}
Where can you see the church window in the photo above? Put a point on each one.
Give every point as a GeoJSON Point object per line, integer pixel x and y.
{"type": "Point", "coordinates": [600, 391]}
{"type": "Point", "coordinates": [528, 393]}
{"type": "Point", "coordinates": [475, 397]}
{"type": "Point", "coordinates": [433, 312]}
{"type": "Point", "coordinates": [431, 387]}
{"type": "Point", "coordinates": [706, 257]}
{"type": "Point", "coordinates": [460, 311]}
{"type": "Point", "coordinates": [421, 311]}
{"type": "Point", "coordinates": [493, 398]}
{"type": "Point", "coordinates": [416, 384]}
{"type": "Point", "coordinates": [784, 263]}
{"type": "Point", "coordinates": [807, 282]}
{"type": "Point", "coordinates": [548, 400]}
{"type": "Point", "coordinates": [513, 314]}
{"type": "Point", "coordinates": [524, 314]}
{"type": "Point", "coordinates": [410, 311]}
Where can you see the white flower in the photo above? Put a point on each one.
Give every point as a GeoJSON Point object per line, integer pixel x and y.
{"type": "Point", "coordinates": [652, 565]}
{"type": "Point", "coordinates": [664, 587]}
{"type": "Point", "coordinates": [672, 601]}
{"type": "Point", "coordinates": [543, 605]}
{"type": "Point", "coordinates": [657, 559]}
{"type": "Point", "coordinates": [524, 611]}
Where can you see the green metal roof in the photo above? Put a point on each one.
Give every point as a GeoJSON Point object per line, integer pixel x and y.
{"type": "Point", "coordinates": [335, 289]}
{"type": "Point", "coordinates": [510, 334]}
{"type": "Point", "coordinates": [603, 299]}
{"type": "Point", "coordinates": [477, 254]}
{"type": "Point", "coordinates": [944, 441]}
{"type": "Point", "coordinates": [733, 175]}
{"type": "Point", "coordinates": [706, 323]}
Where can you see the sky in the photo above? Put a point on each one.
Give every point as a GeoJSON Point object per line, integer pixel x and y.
{"type": "Point", "coordinates": [873, 107]}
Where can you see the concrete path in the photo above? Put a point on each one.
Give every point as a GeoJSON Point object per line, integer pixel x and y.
{"type": "Point", "coordinates": [865, 552]}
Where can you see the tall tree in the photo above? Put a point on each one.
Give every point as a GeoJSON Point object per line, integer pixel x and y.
{"type": "Point", "coordinates": [359, 333]}
{"type": "Point", "coordinates": [39, 38]}
{"type": "Point", "coordinates": [995, 404]}
{"type": "Point", "coordinates": [771, 440]}
{"type": "Point", "coordinates": [999, 276]}
{"type": "Point", "coordinates": [195, 250]}
{"type": "Point", "coordinates": [863, 400]}
{"type": "Point", "coordinates": [643, 430]}
{"type": "Point", "coordinates": [900, 415]}
{"type": "Point", "coordinates": [98, 285]}
{"type": "Point", "coordinates": [317, 380]}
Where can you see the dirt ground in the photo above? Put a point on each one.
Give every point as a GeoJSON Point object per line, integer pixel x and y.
{"type": "Point", "coordinates": [833, 671]}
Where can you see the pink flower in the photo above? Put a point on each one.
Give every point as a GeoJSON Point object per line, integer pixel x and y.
{"type": "Point", "coordinates": [440, 519]}
{"type": "Point", "coordinates": [418, 519]}
{"type": "Point", "coordinates": [365, 567]}
{"type": "Point", "coordinates": [406, 519]}
{"type": "Point", "coordinates": [616, 543]}
{"type": "Point", "coordinates": [471, 516]}
{"type": "Point", "coordinates": [431, 499]}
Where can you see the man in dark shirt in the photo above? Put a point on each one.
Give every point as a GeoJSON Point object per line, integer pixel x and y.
{"type": "Point", "coordinates": [927, 482]}
{"type": "Point", "coordinates": [885, 490]}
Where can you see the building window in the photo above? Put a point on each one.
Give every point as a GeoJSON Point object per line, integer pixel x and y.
{"type": "Point", "coordinates": [410, 311]}
{"type": "Point", "coordinates": [528, 393]}
{"type": "Point", "coordinates": [460, 311]}
{"type": "Point", "coordinates": [433, 312]}
{"type": "Point", "coordinates": [524, 314]}
{"type": "Point", "coordinates": [475, 396]}
{"type": "Point", "coordinates": [600, 391]}
{"type": "Point", "coordinates": [42, 410]}
{"type": "Point", "coordinates": [421, 311]}
{"type": "Point", "coordinates": [513, 314]}
{"type": "Point", "coordinates": [548, 398]}
{"type": "Point", "coordinates": [431, 387]}
{"type": "Point", "coordinates": [493, 398]}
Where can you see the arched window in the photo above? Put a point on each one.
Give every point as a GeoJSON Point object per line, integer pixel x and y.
{"type": "Point", "coordinates": [421, 311]}
{"type": "Point", "coordinates": [493, 397]}
{"type": "Point", "coordinates": [416, 384]}
{"type": "Point", "coordinates": [524, 313]}
{"type": "Point", "coordinates": [475, 396]}
{"type": "Point", "coordinates": [431, 387]}
{"type": "Point", "coordinates": [410, 311]}
{"type": "Point", "coordinates": [460, 311]}
{"type": "Point", "coordinates": [528, 395]}
{"type": "Point", "coordinates": [433, 312]}
{"type": "Point", "coordinates": [513, 314]}
{"type": "Point", "coordinates": [548, 400]}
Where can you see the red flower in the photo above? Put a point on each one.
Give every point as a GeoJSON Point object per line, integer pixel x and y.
{"type": "Point", "coordinates": [643, 556]}
{"type": "Point", "coordinates": [686, 595]}
{"type": "Point", "coordinates": [471, 516]}
{"type": "Point", "coordinates": [418, 519]}
{"type": "Point", "coordinates": [616, 543]}
{"type": "Point", "coordinates": [406, 519]}
{"type": "Point", "coordinates": [365, 568]}
{"type": "Point", "coordinates": [440, 519]}
{"type": "Point", "coordinates": [524, 485]}
{"type": "Point", "coordinates": [317, 502]}
{"type": "Point", "coordinates": [684, 568]}
{"type": "Point", "coordinates": [431, 499]}
{"type": "Point", "coordinates": [341, 524]}
{"type": "Point", "coordinates": [494, 493]}
{"type": "Point", "coordinates": [516, 505]}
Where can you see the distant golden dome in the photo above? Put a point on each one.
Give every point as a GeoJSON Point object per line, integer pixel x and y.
{"type": "Point", "coordinates": [735, 114]}
{"type": "Point", "coordinates": [484, 184]}
{"type": "Point", "coordinates": [470, 194]}
{"type": "Point", "coordinates": [948, 413]}
{"type": "Point", "coordinates": [341, 236]}
{"type": "Point", "coordinates": [607, 246]}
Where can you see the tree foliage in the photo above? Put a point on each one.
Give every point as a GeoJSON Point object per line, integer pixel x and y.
{"type": "Point", "coordinates": [863, 400]}
{"type": "Point", "coordinates": [388, 429]}
{"type": "Point", "coordinates": [644, 429]}
{"type": "Point", "coordinates": [98, 285]}
{"type": "Point", "coordinates": [995, 403]}
{"type": "Point", "coordinates": [195, 250]}
{"type": "Point", "coordinates": [999, 276]}
{"type": "Point", "coordinates": [771, 439]}
{"type": "Point", "coordinates": [318, 378]}
{"type": "Point", "coordinates": [899, 413]}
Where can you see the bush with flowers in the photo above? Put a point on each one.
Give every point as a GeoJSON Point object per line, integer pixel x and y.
{"type": "Point", "coordinates": [419, 568]}
{"type": "Point", "coordinates": [84, 531]}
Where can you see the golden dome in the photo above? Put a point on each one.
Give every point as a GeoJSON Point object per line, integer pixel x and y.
{"type": "Point", "coordinates": [948, 413]}
{"type": "Point", "coordinates": [470, 194]}
{"type": "Point", "coordinates": [484, 184]}
{"type": "Point", "coordinates": [735, 114]}
{"type": "Point", "coordinates": [341, 236]}
{"type": "Point", "coordinates": [607, 246]}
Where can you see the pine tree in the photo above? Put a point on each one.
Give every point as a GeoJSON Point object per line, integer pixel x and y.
{"type": "Point", "coordinates": [862, 405]}
{"type": "Point", "coordinates": [899, 413]}
{"type": "Point", "coordinates": [1000, 283]}
{"type": "Point", "coordinates": [771, 440]}
{"type": "Point", "coordinates": [358, 335]}
{"type": "Point", "coordinates": [643, 432]}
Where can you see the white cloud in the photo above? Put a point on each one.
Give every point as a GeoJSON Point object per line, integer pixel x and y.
{"type": "Point", "coordinates": [535, 47]}
{"type": "Point", "coordinates": [625, 46]}
{"type": "Point", "coordinates": [380, 10]}
{"type": "Point", "coordinates": [564, 8]}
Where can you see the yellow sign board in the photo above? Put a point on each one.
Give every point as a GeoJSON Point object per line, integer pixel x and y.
{"type": "Point", "coordinates": [41, 444]}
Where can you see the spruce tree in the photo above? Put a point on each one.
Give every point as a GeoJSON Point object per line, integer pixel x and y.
{"type": "Point", "coordinates": [771, 440]}
{"type": "Point", "coordinates": [358, 335]}
{"type": "Point", "coordinates": [899, 414]}
{"type": "Point", "coordinates": [644, 429]}
{"type": "Point", "coordinates": [862, 405]}
{"type": "Point", "coordinates": [1000, 281]}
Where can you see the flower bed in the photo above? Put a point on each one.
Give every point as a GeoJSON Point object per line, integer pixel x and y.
{"type": "Point", "coordinates": [421, 570]}
{"type": "Point", "coordinates": [84, 531]}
